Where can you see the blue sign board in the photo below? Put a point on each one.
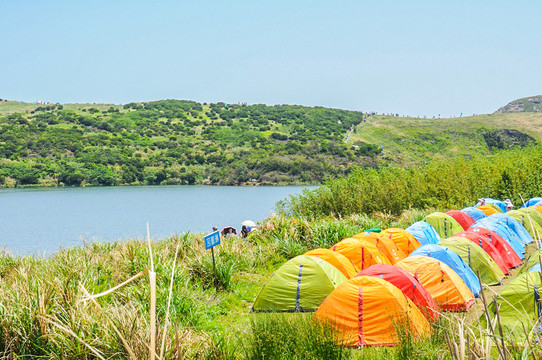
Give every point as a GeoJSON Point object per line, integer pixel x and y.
{"type": "Point", "coordinates": [212, 240]}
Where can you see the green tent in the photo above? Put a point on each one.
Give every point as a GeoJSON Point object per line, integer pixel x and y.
{"type": "Point", "coordinates": [444, 224]}
{"type": "Point", "coordinates": [531, 261]}
{"type": "Point", "coordinates": [476, 258]}
{"type": "Point", "coordinates": [519, 305]}
{"type": "Point", "coordinates": [301, 284]}
{"type": "Point", "coordinates": [530, 218]}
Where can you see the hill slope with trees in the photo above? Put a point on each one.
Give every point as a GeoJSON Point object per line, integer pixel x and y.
{"type": "Point", "coordinates": [185, 142]}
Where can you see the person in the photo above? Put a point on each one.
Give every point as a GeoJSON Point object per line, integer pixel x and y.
{"type": "Point", "coordinates": [509, 204]}
{"type": "Point", "coordinates": [244, 231]}
{"type": "Point", "coordinates": [482, 201]}
{"type": "Point", "coordinates": [215, 228]}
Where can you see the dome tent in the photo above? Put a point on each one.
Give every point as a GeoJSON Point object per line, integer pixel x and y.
{"type": "Point", "coordinates": [530, 219]}
{"type": "Point", "coordinates": [489, 209]}
{"type": "Point", "coordinates": [444, 285]}
{"type": "Point", "coordinates": [453, 260]}
{"type": "Point", "coordinates": [519, 305]}
{"type": "Point", "coordinates": [488, 247]}
{"type": "Point", "coordinates": [367, 311]}
{"type": "Point", "coordinates": [340, 262]}
{"type": "Point", "coordinates": [464, 219]}
{"type": "Point", "coordinates": [424, 233]}
{"type": "Point", "coordinates": [301, 284]}
{"type": "Point", "coordinates": [402, 238]}
{"type": "Point", "coordinates": [508, 255]}
{"type": "Point", "coordinates": [476, 258]}
{"type": "Point", "coordinates": [504, 231]}
{"type": "Point", "coordinates": [362, 253]}
{"type": "Point", "coordinates": [386, 246]}
{"type": "Point", "coordinates": [445, 225]}
{"type": "Point", "coordinates": [408, 285]}
{"type": "Point", "coordinates": [474, 213]}
{"type": "Point", "coordinates": [533, 201]}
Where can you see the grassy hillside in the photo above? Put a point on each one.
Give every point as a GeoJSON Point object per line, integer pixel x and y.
{"type": "Point", "coordinates": [408, 140]}
{"type": "Point", "coordinates": [185, 142]}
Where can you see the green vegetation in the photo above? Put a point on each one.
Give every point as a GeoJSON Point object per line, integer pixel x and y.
{"type": "Point", "coordinates": [528, 104]}
{"type": "Point", "coordinates": [174, 142]}
{"type": "Point", "coordinates": [443, 184]}
{"type": "Point", "coordinates": [185, 142]}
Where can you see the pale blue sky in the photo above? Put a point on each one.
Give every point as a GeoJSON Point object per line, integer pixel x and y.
{"type": "Point", "coordinates": [407, 57]}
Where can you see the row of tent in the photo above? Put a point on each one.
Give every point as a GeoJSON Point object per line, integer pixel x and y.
{"type": "Point", "coordinates": [369, 283]}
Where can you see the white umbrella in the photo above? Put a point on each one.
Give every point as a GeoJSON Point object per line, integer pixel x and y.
{"type": "Point", "coordinates": [249, 223]}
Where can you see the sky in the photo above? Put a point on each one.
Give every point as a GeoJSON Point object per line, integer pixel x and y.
{"type": "Point", "coordinates": [417, 58]}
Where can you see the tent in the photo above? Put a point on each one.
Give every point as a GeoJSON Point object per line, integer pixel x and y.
{"type": "Point", "coordinates": [474, 213]}
{"type": "Point", "coordinates": [453, 260]}
{"type": "Point", "coordinates": [530, 219]}
{"type": "Point", "coordinates": [300, 284]}
{"type": "Point", "coordinates": [368, 311]}
{"type": "Point", "coordinates": [404, 240]}
{"type": "Point", "coordinates": [531, 261]}
{"type": "Point", "coordinates": [519, 306]}
{"type": "Point", "coordinates": [533, 201]}
{"type": "Point", "coordinates": [444, 285]}
{"type": "Point", "coordinates": [520, 230]}
{"type": "Point", "coordinates": [489, 209]}
{"type": "Point", "coordinates": [445, 225]}
{"type": "Point", "coordinates": [386, 246]}
{"type": "Point", "coordinates": [464, 219]}
{"type": "Point", "coordinates": [340, 262]}
{"type": "Point", "coordinates": [504, 231]}
{"type": "Point", "coordinates": [362, 253]}
{"type": "Point", "coordinates": [476, 258]}
{"type": "Point", "coordinates": [494, 202]}
{"type": "Point", "coordinates": [424, 233]}
{"type": "Point", "coordinates": [408, 285]}
{"type": "Point", "coordinates": [511, 259]}
{"type": "Point", "coordinates": [487, 246]}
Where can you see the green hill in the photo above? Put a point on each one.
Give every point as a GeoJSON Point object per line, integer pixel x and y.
{"type": "Point", "coordinates": [528, 104]}
{"type": "Point", "coordinates": [185, 142]}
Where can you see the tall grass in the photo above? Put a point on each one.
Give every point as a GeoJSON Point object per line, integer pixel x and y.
{"type": "Point", "coordinates": [443, 184]}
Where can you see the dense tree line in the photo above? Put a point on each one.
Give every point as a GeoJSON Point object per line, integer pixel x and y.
{"type": "Point", "coordinates": [178, 142]}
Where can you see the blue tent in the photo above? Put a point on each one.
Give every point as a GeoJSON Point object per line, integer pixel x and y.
{"type": "Point", "coordinates": [515, 225]}
{"type": "Point", "coordinates": [499, 203]}
{"type": "Point", "coordinates": [453, 260]}
{"type": "Point", "coordinates": [424, 233]}
{"type": "Point", "coordinates": [533, 201]}
{"type": "Point", "coordinates": [474, 213]}
{"type": "Point", "coordinates": [495, 224]}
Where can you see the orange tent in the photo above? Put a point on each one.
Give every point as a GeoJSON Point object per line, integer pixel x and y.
{"type": "Point", "coordinates": [362, 253]}
{"type": "Point", "coordinates": [367, 310]}
{"type": "Point", "coordinates": [444, 285]}
{"type": "Point", "coordinates": [402, 238]}
{"type": "Point", "coordinates": [386, 246]}
{"type": "Point", "coordinates": [336, 259]}
{"type": "Point", "coordinates": [488, 210]}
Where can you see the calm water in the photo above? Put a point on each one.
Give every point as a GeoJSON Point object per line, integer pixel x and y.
{"type": "Point", "coordinates": [41, 221]}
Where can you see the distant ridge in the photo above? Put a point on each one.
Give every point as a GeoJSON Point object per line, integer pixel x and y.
{"type": "Point", "coordinates": [528, 104]}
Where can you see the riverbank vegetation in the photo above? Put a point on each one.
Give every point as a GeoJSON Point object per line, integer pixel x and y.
{"type": "Point", "coordinates": [442, 183]}
{"type": "Point", "coordinates": [185, 142]}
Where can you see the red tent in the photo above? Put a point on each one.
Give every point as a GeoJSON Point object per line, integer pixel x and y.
{"type": "Point", "coordinates": [491, 240]}
{"type": "Point", "coordinates": [464, 219]}
{"type": "Point", "coordinates": [408, 285]}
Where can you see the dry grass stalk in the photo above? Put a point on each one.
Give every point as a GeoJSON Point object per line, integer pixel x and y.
{"type": "Point", "coordinates": [152, 281]}
{"type": "Point", "coordinates": [169, 303]}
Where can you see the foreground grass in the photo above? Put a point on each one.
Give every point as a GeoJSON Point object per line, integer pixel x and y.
{"type": "Point", "coordinates": [43, 311]}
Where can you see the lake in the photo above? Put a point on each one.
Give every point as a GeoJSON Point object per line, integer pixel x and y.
{"type": "Point", "coordinates": [41, 221]}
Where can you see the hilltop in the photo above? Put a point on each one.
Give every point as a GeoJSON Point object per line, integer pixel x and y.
{"type": "Point", "coordinates": [528, 104]}
{"type": "Point", "coordinates": [185, 142]}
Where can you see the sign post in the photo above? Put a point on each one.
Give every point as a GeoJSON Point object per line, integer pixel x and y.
{"type": "Point", "coordinates": [212, 240]}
